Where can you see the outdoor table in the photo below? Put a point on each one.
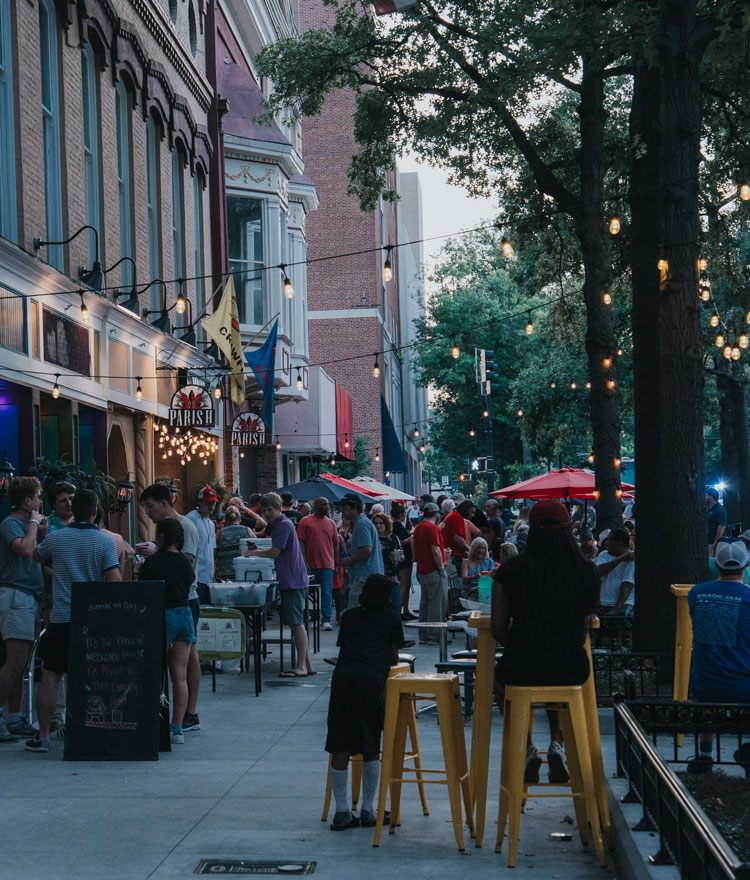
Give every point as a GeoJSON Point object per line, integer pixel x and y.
{"type": "Point", "coordinates": [254, 617]}
{"type": "Point", "coordinates": [442, 626]}
{"type": "Point", "coordinates": [312, 610]}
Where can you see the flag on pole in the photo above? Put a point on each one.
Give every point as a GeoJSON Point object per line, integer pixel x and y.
{"type": "Point", "coordinates": [262, 361]}
{"type": "Point", "coordinates": [224, 328]}
{"type": "Point", "coordinates": [384, 7]}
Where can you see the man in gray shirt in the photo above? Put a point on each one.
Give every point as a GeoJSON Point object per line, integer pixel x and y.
{"type": "Point", "coordinates": [157, 502]}
{"type": "Point", "coordinates": [365, 556]}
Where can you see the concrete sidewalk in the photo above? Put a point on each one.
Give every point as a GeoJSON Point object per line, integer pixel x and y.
{"type": "Point", "coordinates": [249, 785]}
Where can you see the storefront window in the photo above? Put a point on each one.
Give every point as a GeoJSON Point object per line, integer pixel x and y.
{"type": "Point", "coordinates": [245, 233]}
{"type": "Point", "coordinates": [12, 323]}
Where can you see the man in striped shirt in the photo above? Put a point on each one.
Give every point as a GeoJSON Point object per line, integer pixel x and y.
{"type": "Point", "coordinates": [79, 552]}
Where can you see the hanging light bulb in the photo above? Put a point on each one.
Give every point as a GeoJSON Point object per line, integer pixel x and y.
{"type": "Point", "coordinates": [619, 352]}
{"type": "Point", "coordinates": [607, 298]}
{"type": "Point", "coordinates": [607, 362]}
{"type": "Point", "coordinates": [736, 353]}
{"type": "Point", "coordinates": [387, 268]}
{"type": "Point", "coordinates": [85, 317]}
{"type": "Point", "coordinates": [552, 385]}
{"type": "Point", "coordinates": [217, 392]}
{"type": "Point", "coordinates": [138, 390]}
{"type": "Point", "coordinates": [300, 384]}
{"type": "Point", "coordinates": [588, 385]}
{"type": "Point", "coordinates": [288, 288]}
{"type": "Point", "coordinates": [278, 444]}
{"type": "Point", "coordinates": [346, 441]}
{"type": "Point", "coordinates": [705, 293]}
{"type": "Point", "coordinates": [742, 340]}
{"type": "Point", "coordinates": [332, 462]}
{"type": "Point", "coordinates": [377, 455]}
{"type": "Point", "coordinates": [455, 351]}
{"type": "Point", "coordinates": [618, 461]}
{"type": "Point", "coordinates": [416, 432]}
{"type": "Point", "coordinates": [614, 225]}
{"type": "Point", "coordinates": [519, 413]}
{"type": "Point", "coordinates": [421, 446]}
{"type": "Point", "coordinates": [485, 414]}
{"type": "Point", "coordinates": [56, 387]}
{"type": "Point", "coordinates": [472, 433]}
{"type": "Point", "coordinates": [728, 352]}
{"type": "Point", "coordinates": [529, 326]}
{"type": "Point", "coordinates": [507, 247]}
{"type": "Point", "coordinates": [376, 368]}
{"type": "Point", "coordinates": [702, 264]}
{"type": "Point", "coordinates": [242, 454]}
{"type": "Point", "coordinates": [744, 191]}
{"type": "Point", "coordinates": [573, 386]}
{"type": "Point", "coordinates": [720, 340]}
{"type": "Point", "coordinates": [714, 319]}
{"type": "Point", "coordinates": [181, 303]}
{"type": "Point", "coordinates": [747, 318]}
{"type": "Point", "coordinates": [611, 384]}
{"type": "Point", "coordinates": [590, 459]}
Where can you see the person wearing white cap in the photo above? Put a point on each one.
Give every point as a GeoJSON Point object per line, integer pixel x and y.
{"type": "Point", "coordinates": [720, 613]}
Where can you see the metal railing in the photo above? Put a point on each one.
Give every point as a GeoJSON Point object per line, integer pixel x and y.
{"type": "Point", "coordinates": [687, 837]}
{"type": "Point", "coordinates": [636, 674]}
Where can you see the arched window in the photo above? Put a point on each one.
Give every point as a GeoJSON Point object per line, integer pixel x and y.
{"type": "Point", "coordinates": [198, 226]}
{"type": "Point", "coordinates": [193, 30]}
{"type": "Point", "coordinates": [8, 217]}
{"type": "Point", "coordinates": [90, 96]}
{"type": "Point", "coordinates": [51, 129]}
{"type": "Point", "coordinates": [153, 154]}
{"type": "Point", "coordinates": [124, 178]}
{"type": "Point", "coordinates": [178, 202]}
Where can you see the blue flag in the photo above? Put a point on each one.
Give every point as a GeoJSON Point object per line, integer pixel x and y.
{"type": "Point", "coordinates": [262, 361]}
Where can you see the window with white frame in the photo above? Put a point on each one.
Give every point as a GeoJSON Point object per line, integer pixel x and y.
{"type": "Point", "coordinates": [90, 97]}
{"type": "Point", "coordinates": [8, 217]}
{"type": "Point", "coordinates": [51, 129]}
{"type": "Point", "coordinates": [124, 182]}
{"type": "Point", "coordinates": [153, 144]}
{"type": "Point", "coordinates": [245, 235]}
{"type": "Point", "coordinates": [198, 227]}
{"type": "Point", "coordinates": [177, 222]}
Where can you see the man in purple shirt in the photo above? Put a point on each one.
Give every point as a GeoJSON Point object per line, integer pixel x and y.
{"type": "Point", "coordinates": [291, 573]}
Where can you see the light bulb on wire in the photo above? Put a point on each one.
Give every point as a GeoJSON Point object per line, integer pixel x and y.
{"type": "Point", "coordinates": [552, 385]}
{"type": "Point", "coordinates": [611, 384]}
{"type": "Point", "coordinates": [288, 289]}
{"type": "Point", "coordinates": [728, 352]}
{"type": "Point", "coordinates": [472, 432]}
{"type": "Point", "coordinates": [387, 268]}
{"type": "Point", "coordinates": [573, 386]}
{"type": "Point", "coordinates": [714, 319]}
{"type": "Point", "coordinates": [376, 368]}
{"type": "Point", "coordinates": [720, 340]}
{"type": "Point", "coordinates": [84, 311]}
{"type": "Point", "coordinates": [743, 341]}
{"type": "Point", "coordinates": [607, 298]}
{"type": "Point", "coordinates": [588, 386]}
{"type": "Point", "coordinates": [138, 390]}
{"type": "Point", "coordinates": [300, 384]}
{"type": "Point", "coordinates": [702, 264]}
{"type": "Point", "coordinates": [180, 304]}
{"type": "Point", "coordinates": [455, 351]}
{"type": "Point", "coordinates": [614, 225]}
{"type": "Point", "coordinates": [529, 326]}
{"type": "Point", "coordinates": [56, 387]}
{"type": "Point", "coordinates": [607, 362]}
{"type": "Point", "coordinates": [519, 413]}
{"type": "Point", "coordinates": [744, 191]}
{"type": "Point", "coordinates": [705, 293]}
{"type": "Point", "coordinates": [736, 353]}
{"type": "Point", "coordinates": [377, 455]}
{"type": "Point", "coordinates": [217, 392]}
{"type": "Point", "coordinates": [278, 444]}
{"type": "Point", "coordinates": [507, 247]}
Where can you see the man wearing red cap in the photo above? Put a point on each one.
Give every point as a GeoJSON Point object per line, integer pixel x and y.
{"type": "Point", "coordinates": [204, 563]}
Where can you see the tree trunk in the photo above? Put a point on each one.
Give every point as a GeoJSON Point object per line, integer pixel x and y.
{"type": "Point", "coordinates": [735, 463]}
{"type": "Point", "coordinates": [682, 529]}
{"type": "Point", "coordinates": [591, 228]}
{"type": "Point", "coordinates": [653, 609]}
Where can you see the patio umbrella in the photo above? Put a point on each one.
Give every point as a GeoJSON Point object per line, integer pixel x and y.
{"type": "Point", "coordinates": [316, 487]}
{"type": "Point", "coordinates": [574, 483]}
{"type": "Point", "coordinates": [354, 487]}
{"type": "Point", "coordinates": [388, 492]}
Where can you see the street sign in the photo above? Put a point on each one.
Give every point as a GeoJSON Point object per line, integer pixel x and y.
{"type": "Point", "coordinates": [445, 480]}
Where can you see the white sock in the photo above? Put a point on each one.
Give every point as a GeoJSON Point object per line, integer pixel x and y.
{"type": "Point", "coordinates": [370, 777]}
{"type": "Point", "coordinates": [340, 785]}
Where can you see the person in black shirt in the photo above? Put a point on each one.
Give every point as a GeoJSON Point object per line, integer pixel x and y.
{"type": "Point", "coordinates": [170, 566]}
{"type": "Point", "coordinates": [548, 591]}
{"type": "Point", "coordinates": [405, 567]}
{"type": "Point", "coordinates": [495, 529]}
{"type": "Point", "coordinates": [369, 638]}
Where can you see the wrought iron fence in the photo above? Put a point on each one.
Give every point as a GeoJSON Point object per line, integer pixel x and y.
{"type": "Point", "coordinates": [636, 674]}
{"type": "Point", "coordinates": [615, 632]}
{"type": "Point", "coordinates": [687, 837]}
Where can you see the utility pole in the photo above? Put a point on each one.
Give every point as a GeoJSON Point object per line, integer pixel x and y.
{"type": "Point", "coordinates": [486, 377]}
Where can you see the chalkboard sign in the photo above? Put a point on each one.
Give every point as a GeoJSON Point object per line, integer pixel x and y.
{"type": "Point", "coordinates": [117, 640]}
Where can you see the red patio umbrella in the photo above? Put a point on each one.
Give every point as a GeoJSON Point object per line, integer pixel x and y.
{"type": "Point", "coordinates": [358, 488]}
{"type": "Point", "coordinates": [562, 483]}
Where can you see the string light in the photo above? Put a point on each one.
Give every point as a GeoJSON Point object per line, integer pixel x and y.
{"type": "Point", "coordinates": [387, 268]}
{"type": "Point", "coordinates": [618, 493]}
{"type": "Point", "coordinates": [705, 292]}
{"type": "Point", "coordinates": [607, 298]}
{"type": "Point", "coordinates": [590, 459]}
{"type": "Point", "coordinates": [744, 191]}
{"type": "Point", "coordinates": [416, 432]}
{"type": "Point", "coordinates": [455, 351]}
{"type": "Point", "coordinates": [421, 447]}
{"type": "Point", "coordinates": [588, 385]}
{"type": "Point", "coordinates": [747, 318]}
{"type": "Point", "coordinates": [736, 353]}
{"type": "Point", "coordinates": [519, 413]}
{"type": "Point", "coordinates": [376, 368]}
{"type": "Point", "coordinates": [743, 340]}
{"type": "Point", "coordinates": [377, 455]}
{"type": "Point", "coordinates": [529, 326]}
{"type": "Point", "coordinates": [720, 340]}
{"type": "Point", "coordinates": [332, 462]}
{"type": "Point", "coordinates": [507, 247]}
{"type": "Point", "coordinates": [185, 444]}
{"type": "Point", "coordinates": [714, 319]}
{"type": "Point", "coordinates": [181, 303]}
{"type": "Point", "coordinates": [552, 385]}
{"type": "Point", "coordinates": [287, 284]}
{"type": "Point", "coordinates": [138, 390]}
{"type": "Point", "coordinates": [346, 442]}
{"type": "Point", "coordinates": [84, 311]}
{"type": "Point", "coordinates": [472, 432]}
{"type": "Point", "coordinates": [573, 386]}
{"type": "Point", "coordinates": [56, 387]}
{"type": "Point", "coordinates": [217, 392]}
{"type": "Point", "coordinates": [300, 384]}
{"type": "Point", "coordinates": [611, 384]}
{"type": "Point", "coordinates": [278, 444]}
{"type": "Point", "coordinates": [614, 225]}
{"type": "Point", "coordinates": [242, 454]}
{"type": "Point", "coordinates": [485, 414]}
{"type": "Point", "coordinates": [607, 362]}
{"type": "Point", "coordinates": [702, 264]}
{"type": "Point", "coordinates": [618, 461]}
{"type": "Point", "coordinates": [619, 352]}
{"type": "Point", "coordinates": [728, 352]}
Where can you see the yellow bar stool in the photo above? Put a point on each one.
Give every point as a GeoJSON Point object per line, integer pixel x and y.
{"type": "Point", "coordinates": [401, 693]}
{"type": "Point", "coordinates": [356, 760]}
{"type": "Point", "coordinates": [683, 645]}
{"type": "Point", "coordinates": [520, 702]}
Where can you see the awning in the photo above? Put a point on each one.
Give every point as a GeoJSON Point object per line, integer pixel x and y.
{"type": "Point", "coordinates": [352, 487]}
{"type": "Point", "coordinates": [393, 455]}
{"type": "Point", "coordinates": [344, 424]}
{"type": "Point", "coordinates": [388, 492]}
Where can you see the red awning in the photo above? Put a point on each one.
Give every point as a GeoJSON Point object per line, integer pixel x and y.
{"type": "Point", "coordinates": [360, 488]}
{"type": "Point", "coordinates": [563, 483]}
{"type": "Point", "coordinates": [344, 424]}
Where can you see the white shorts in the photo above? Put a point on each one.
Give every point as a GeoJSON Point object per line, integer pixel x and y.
{"type": "Point", "coordinates": [19, 615]}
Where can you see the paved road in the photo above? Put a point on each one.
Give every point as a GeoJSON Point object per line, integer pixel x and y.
{"type": "Point", "coordinates": [249, 785]}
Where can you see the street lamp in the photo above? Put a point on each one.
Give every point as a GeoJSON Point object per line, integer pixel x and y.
{"type": "Point", "coordinates": [124, 493]}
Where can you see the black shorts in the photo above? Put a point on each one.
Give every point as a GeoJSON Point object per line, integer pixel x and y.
{"type": "Point", "coordinates": [56, 641]}
{"type": "Point", "coordinates": [532, 670]}
{"type": "Point", "coordinates": [195, 609]}
{"type": "Point", "coordinates": [356, 713]}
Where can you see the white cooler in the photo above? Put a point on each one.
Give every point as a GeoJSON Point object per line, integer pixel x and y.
{"type": "Point", "coordinates": [253, 568]}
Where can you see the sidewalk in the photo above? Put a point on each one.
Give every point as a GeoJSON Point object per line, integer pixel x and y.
{"type": "Point", "coordinates": [249, 785]}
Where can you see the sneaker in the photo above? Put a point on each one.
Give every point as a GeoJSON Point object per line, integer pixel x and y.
{"type": "Point", "coordinates": [325, 627]}
{"type": "Point", "coordinates": [22, 728]}
{"type": "Point", "coordinates": [176, 735]}
{"type": "Point", "coordinates": [191, 722]}
{"type": "Point", "coordinates": [533, 763]}
{"type": "Point", "coordinates": [558, 772]}
{"type": "Point", "coordinates": [700, 764]}
{"type": "Point", "coordinates": [370, 820]}
{"type": "Point", "coordinates": [60, 732]}
{"type": "Point", "coordinates": [342, 821]}
{"type": "Point", "coordinates": [37, 744]}
{"type": "Point", "coordinates": [5, 735]}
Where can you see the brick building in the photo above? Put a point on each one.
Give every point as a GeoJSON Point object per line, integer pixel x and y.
{"type": "Point", "coordinates": [354, 314]}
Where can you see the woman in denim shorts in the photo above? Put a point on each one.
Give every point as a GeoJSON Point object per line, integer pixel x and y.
{"type": "Point", "coordinates": [170, 566]}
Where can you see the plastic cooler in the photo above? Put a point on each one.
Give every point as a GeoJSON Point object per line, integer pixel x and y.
{"type": "Point", "coordinates": [253, 568]}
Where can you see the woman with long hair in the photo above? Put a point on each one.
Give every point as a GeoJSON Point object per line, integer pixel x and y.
{"type": "Point", "coordinates": [522, 520]}
{"type": "Point", "coordinates": [547, 591]}
{"type": "Point", "coordinates": [228, 542]}
{"type": "Point", "coordinates": [477, 561]}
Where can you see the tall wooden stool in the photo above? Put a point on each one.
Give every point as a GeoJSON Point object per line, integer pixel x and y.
{"type": "Point", "coordinates": [401, 693]}
{"type": "Point", "coordinates": [683, 645]}
{"type": "Point", "coordinates": [519, 703]}
{"type": "Point", "coordinates": [356, 760]}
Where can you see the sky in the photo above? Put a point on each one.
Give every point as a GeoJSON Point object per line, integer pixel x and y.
{"type": "Point", "coordinates": [445, 208]}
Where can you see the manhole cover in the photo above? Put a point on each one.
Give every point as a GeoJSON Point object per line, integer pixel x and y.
{"type": "Point", "coordinates": [240, 866]}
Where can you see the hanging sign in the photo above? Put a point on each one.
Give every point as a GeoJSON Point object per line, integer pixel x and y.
{"type": "Point", "coordinates": [192, 407]}
{"type": "Point", "coordinates": [249, 429]}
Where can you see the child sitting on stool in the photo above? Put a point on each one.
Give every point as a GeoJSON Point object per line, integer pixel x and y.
{"type": "Point", "coordinates": [369, 638]}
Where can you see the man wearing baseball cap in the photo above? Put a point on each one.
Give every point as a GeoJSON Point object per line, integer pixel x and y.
{"type": "Point", "coordinates": [201, 519]}
{"type": "Point", "coordinates": [720, 612]}
{"type": "Point", "coordinates": [716, 519]}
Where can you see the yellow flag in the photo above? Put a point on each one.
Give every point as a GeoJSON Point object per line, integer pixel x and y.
{"type": "Point", "coordinates": [224, 328]}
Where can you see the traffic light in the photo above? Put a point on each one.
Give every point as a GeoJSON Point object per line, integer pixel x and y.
{"type": "Point", "coordinates": [492, 373]}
